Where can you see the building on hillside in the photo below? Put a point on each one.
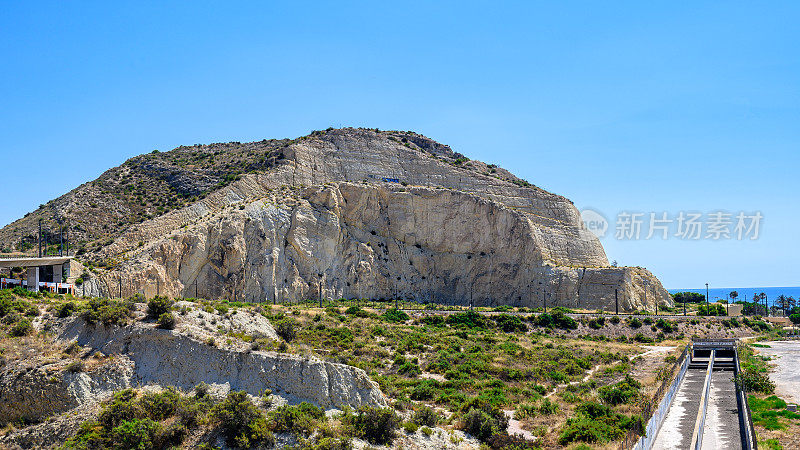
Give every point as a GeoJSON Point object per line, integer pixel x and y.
{"type": "Point", "coordinates": [51, 273]}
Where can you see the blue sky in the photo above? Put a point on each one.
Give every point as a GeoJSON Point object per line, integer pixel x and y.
{"type": "Point", "coordinates": [630, 106]}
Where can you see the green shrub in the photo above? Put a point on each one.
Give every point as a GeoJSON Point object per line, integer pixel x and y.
{"type": "Point", "coordinates": [634, 322]}
{"type": "Point", "coordinates": [395, 315]}
{"type": "Point", "coordinates": [556, 319]}
{"type": "Point", "coordinates": [484, 422]}
{"type": "Point", "coordinates": [286, 329]}
{"type": "Point", "coordinates": [242, 423]}
{"type": "Point", "coordinates": [596, 423]}
{"type": "Point", "coordinates": [525, 411]}
{"type": "Point", "coordinates": [135, 434]}
{"type": "Point", "coordinates": [166, 321]}
{"type": "Point", "coordinates": [301, 419]}
{"type": "Point", "coordinates": [378, 426]}
{"type": "Point", "coordinates": [770, 411]}
{"type": "Point", "coordinates": [158, 306]}
{"type": "Point", "coordinates": [626, 391]}
{"type": "Point", "coordinates": [425, 416]}
{"type": "Point", "coordinates": [160, 405]}
{"type": "Point", "coordinates": [711, 310]}
{"type": "Point", "coordinates": [510, 323]}
{"type": "Point", "coordinates": [435, 320]}
{"type": "Point", "coordinates": [356, 311]}
{"type": "Point", "coordinates": [597, 323]}
{"type": "Point", "coordinates": [108, 312]}
{"type": "Point", "coordinates": [751, 380]}
{"type": "Point", "coordinates": [22, 328]}
{"type": "Point", "coordinates": [410, 427]}
{"type": "Point", "coordinates": [8, 304]}
{"type": "Point", "coordinates": [409, 368]}
{"type": "Point", "coordinates": [66, 309]}
{"type": "Point", "coordinates": [122, 407]}
{"type": "Point", "coordinates": [547, 407]}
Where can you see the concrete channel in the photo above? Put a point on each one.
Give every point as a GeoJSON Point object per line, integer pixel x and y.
{"type": "Point", "coordinates": [706, 412]}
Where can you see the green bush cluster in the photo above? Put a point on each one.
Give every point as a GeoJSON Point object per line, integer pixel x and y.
{"type": "Point", "coordinates": [711, 310]}
{"type": "Point", "coordinates": [752, 380]}
{"type": "Point", "coordinates": [626, 391]}
{"type": "Point", "coordinates": [158, 306]}
{"type": "Point", "coordinates": [510, 323]}
{"type": "Point", "coordinates": [395, 315]}
{"type": "Point", "coordinates": [66, 309]}
{"type": "Point", "coordinates": [242, 423]}
{"type": "Point", "coordinates": [426, 416]}
{"type": "Point", "coordinates": [286, 329]}
{"type": "Point", "coordinates": [378, 426]}
{"type": "Point", "coordinates": [556, 319]}
{"type": "Point", "coordinates": [597, 323]}
{"type": "Point", "coordinates": [133, 421]}
{"type": "Point", "coordinates": [167, 321]}
{"type": "Point", "coordinates": [108, 312]}
{"type": "Point", "coordinates": [484, 421]}
{"type": "Point", "coordinates": [302, 419]}
{"type": "Point", "coordinates": [597, 423]}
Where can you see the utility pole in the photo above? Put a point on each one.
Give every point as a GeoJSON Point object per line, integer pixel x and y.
{"type": "Point", "coordinates": [707, 302]}
{"type": "Point", "coordinates": [40, 238]}
{"type": "Point", "coordinates": [616, 302]}
{"type": "Point", "coordinates": [61, 240]}
{"type": "Point", "coordinates": [470, 297]}
{"type": "Point", "coordinates": [684, 304]}
{"type": "Point", "coordinates": [544, 300]}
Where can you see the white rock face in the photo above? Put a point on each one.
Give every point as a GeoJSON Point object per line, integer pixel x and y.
{"type": "Point", "coordinates": [324, 222]}
{"type": "Point", "coordinates": [171, 358]}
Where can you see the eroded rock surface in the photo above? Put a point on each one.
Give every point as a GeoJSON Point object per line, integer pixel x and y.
{"type": "Point", "coordinates": [171, 358]}
{"type": "Point", "coordinates": [362, 213]}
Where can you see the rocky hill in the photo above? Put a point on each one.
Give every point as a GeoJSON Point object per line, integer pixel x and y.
{"type": "Point", "coordinates": [338, 213]}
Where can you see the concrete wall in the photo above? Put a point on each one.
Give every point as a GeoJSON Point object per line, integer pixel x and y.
{"type": "Point", "coordinates": [33, 278]}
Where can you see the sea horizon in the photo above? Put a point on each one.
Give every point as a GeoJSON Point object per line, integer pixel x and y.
{"type": "Point", "coordinates": [745, 293]}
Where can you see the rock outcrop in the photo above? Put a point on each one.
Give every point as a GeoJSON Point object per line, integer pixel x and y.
{"type": "Point", "coordinates": [173, 358]}
{"type": "Point", "coordinates": [361, 213]}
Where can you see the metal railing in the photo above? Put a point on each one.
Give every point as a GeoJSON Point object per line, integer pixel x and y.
{"type": "Point", "coordinates": [700, 422]}
{"type": "Point", "coordinates": [634, 437]}
{"type": "Point", "coordinates": [748, 432]}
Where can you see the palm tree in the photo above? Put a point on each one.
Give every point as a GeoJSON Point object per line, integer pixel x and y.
{"type": "Point", "coordinates": [782, 303]}
{"type": "Point", "coordinates": [733, 295]}
{"type": "Point", "coordinates": [763, 296]}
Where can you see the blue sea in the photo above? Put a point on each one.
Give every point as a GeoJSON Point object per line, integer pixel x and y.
{"type": "Point", "coordinates": [745, 293]}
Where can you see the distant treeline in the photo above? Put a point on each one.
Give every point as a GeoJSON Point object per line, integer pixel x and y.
{"type": "Point", "coordinates": [688, 297]}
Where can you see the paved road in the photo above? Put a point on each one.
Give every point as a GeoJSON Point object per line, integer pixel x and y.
{"type": "Point", "coordinates": [786, 357]}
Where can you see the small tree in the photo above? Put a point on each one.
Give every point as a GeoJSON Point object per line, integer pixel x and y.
{"type": "Point", "coordinates": [158, 306]}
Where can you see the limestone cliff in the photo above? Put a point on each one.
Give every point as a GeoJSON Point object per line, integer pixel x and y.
{"type": "Point", "coordinates": [344, 213]}
{"type": "Point", "coordinates": [363, 213]}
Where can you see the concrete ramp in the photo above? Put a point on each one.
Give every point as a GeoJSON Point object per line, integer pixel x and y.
{"type": "Point", "coordinates": [707, 412]}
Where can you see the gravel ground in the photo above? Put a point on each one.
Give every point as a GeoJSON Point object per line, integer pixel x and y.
{"type": "Point", "coordinates": [786, 374]}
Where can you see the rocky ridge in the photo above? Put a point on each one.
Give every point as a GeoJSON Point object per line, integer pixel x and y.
{"type": "Point", "coordinates": [362, 213]}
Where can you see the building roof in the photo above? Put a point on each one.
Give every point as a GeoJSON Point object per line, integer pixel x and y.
{"type": "Point", "coordinates": [32, 262]}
